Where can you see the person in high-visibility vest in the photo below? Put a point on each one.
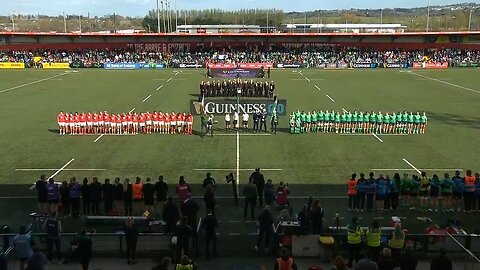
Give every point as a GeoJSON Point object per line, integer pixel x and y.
{"type": "Point", "coordinates": [284, 262]}
{"type": "Point", "coordinates": [373, 235]}
{"type": "Point", "coordinates": [397, 240]}
{"type": "Point", "coordinates": [468, 192]}
{"type": "Point", "coordinates": [354, 237]}
{"type": "Point", "coordinates": [423, 191]}
{"type": "Point", "coordinates": [186, 264]}
{"type": "Point", "coordinates": [352, 193]}
{"type": "Point", "coordinates": [137, 194]}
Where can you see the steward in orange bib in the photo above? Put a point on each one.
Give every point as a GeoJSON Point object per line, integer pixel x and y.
{"type": "Point", "coordinates": [352, 193]}
{"type": "Point", "coordinates": [137, 190]}
{"type": "Point", "coordinates": [285, 262]}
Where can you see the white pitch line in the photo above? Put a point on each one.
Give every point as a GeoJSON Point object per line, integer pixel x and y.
{"type": "Point", "coordinates": [98, 138]}
{"type": "Point", "coordinates": [169, 79]}
{"type": "Point", "coordinates": [411, 165]}
{"type": "Point", "coordinates": [330, 98]}
{"type": "Point", "coordinates": [306, 78]}
{"type": "Point", "coordinates": [243, 134]}
{"type": "Point", "coordinates": [428, 170]}
{"type": "Point", "coordinates": [57, 172]}
{"type": "Point", "coordinates": [145, 99]}
{"type": "Point", "coordinates": [131, 110]}
{"type": "Point", "coordinates": [30, 83]}
{"type": "Point", "coordinates": [41, 170]}
{"type": "Point", "coordinates": [378, 138]}
{"type": "Point", "coordinates": [160, 87]}
{"type": "Point", "coordinates": [318, 87]}
{"type": "Point", "coordinates": [238, 161]}
{"type": "Point", "coordinates": [447, 83]}
{"type": "Point", "coordinates": [344, 110]}
{"type": "Point", "coordinates": [368, 134]}
{"type": "Point", "coordinates": [238, 169]}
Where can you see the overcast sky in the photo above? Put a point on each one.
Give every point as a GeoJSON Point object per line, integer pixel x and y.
{"type": "Point", "coordinates": [140, 7]}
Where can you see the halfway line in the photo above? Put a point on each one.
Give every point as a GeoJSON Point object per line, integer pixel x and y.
{"type": "Point", "coordinates": [318, 87]}
{"type": "Point", "coordinates": [160, 87]}
{"type": "Point", "coordinates": [410, 164]}
{"type": "Point", "coordinates": [307, 79]}
{"type": "Point", "coordinates": [169, 79]}
{"type": "Point", "coordinates": [30, 83]}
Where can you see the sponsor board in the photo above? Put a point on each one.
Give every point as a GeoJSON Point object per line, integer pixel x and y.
{"type": "Point", "coordinates": [290, 65]}
{"type": "Point", "coordinates": [250, 106]}
{"type": "Point", "coordinates": [333, 66]}
{"type": "Point", "coordinates": [364, 65]}
{"type": "Point", "coordinates": [468, 64]}
{"type": "Point", "coordinates": [430, 65]}
{"type": "Point", "coordinates": [236, 72]}
{"type": "Point", "coordinates": [189, 65]}
{"type": "Point", "coordinates": [241, 65]}
{"type": "Point", "coordinates": [11, 65]}
{"type": "Point", "coordinates": [133, 66]}
{"type": "Point", "coordinates": [55, 65]}
{"type": "Point", "coordinates": [393, 65]}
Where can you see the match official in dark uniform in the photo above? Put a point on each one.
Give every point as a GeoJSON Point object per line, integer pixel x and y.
{"type": "Point", "coordinates": [257, 178]}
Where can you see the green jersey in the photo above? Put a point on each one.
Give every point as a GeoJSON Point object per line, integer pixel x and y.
{"type": "Point", "coordinates": [373, 117]}
{"type": "Point", "coordinates": [337, 118]}
{"type": "Point", "coordinates": [297, 114]}
{"type": "Point", "coordinates": [303, 117]}
{"type": "Point", "coordinates": [399, 118]}
{"type": "Point", "coordinates": [423, 119]}
{"type": "Point", "coordinates": [360, 117]}
{"type": "Point", "coordinates": [410, 118]}
{"type": "Point", "coordinates": [406, 185]}
{"type": "Point", "coordinates": [314, 117]}
{"type": "Point", "coordinates": [447, 186]}
{"type": "Point", "coordinates": [405, 117]}
{"type": "Point", "coordinates": [349, 117]}
{"type": "Point", "coordinates": [393, 119]}
{"type": "Point", "coordinates": [309, 118]}
{"type": "Point", "coordinates": [380, 118]}
{"type": "Point", "coordinates": [417, 118]}
{"type": "Point", "coordinates": [386, 119]}
{"type": "Point", "coordinates": [355, 117]}
{"type": "Point", "coordinates": [344, 118]}
{"type": "Point", "coordinates": [366, 118]}
{"type": "Point", "coordinates": [333, 115]}
{"type": "Point", "coordinates": [321, 116]}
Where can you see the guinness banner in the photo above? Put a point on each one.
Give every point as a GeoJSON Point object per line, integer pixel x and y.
{"type": "Point", "coordinates": [250, 106]}
{"type": "Point", "coordinates": [236, 72]}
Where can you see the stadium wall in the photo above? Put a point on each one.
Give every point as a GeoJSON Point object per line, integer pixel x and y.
{"type": "Point", "coordinates": [33, 41]}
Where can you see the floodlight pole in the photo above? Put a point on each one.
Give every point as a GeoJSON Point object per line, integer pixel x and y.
{"type": "Point", "coordinates": [470, 20]}
{"type": "Point", "coordinates": [305, 26]}
{"type": "Point", "coordinates": [163, 18]}
{"type": "Point", "coordinates": [185, 14]}
{"type": "Point", "coordinates": [12, 16]}
{"type": "Point", "coordinates": [64, 23]}
{"type": "Point", "coordinates": [428, 16]}
{"type": "Point", "coordinates": [158, 19]}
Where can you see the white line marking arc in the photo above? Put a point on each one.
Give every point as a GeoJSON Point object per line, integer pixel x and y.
{"type": "Point", "coordinates": [378, 138]}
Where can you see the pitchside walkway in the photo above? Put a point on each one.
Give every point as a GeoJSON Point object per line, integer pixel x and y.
{"type": "Point", "coordinates": [223, 263]}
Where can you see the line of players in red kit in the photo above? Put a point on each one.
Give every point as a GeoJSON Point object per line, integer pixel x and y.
{"type": "Point", "coordinates": [125, 123]}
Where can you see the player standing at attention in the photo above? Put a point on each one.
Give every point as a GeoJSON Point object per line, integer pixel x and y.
{"type": "Point", "coordinates": [354, 121]}
{"type": "Point", "coordinates": [360, 123]}
{"type": "Point", "coordinates": [314, 121]}
{"type": "Point", "coordinates": [135, 123]}
{"type": "Point", "coordinates": [101, 123]}
{"type": "Point", "coordinates": [76, 121]}
{"type": "Point", "coordinates": [410, 123]}
{"type": "Point", "coordinates": [386, 123]}
{"type": "Point", "coordinates": [155, 122]}
{"type": "Point", "coordinates": [180, 121]}
{"type": "Point", "coordinates": [308, 121]}
{"type": "Point", "coordinates": [141, 122]}
{"type": "Point", "coordinates": [405, 191]}
{"type": "Point", "coordinates": [124, 123]}
{"type": "Point", "coordinates": [398, 124]}
{"type": "Point", "coordinates": [161, 123]}
{"type": "Point", "coordinates": [148, 124]}
{"type": "Point", "coordinates": [447, 187]}
{"type": "Point", "coordinates": [61, 123]}
{"type": "Point", "coordinates": [373, 122]}
{"type": "Point", "coordinates": [292, 123]}
{"type": "Point", "coordinates": [343, 122]}
{"type": "Point", "coordinates": [303, 120]}
{"type": "Point", "coordinates": [324, 118]}
{"type": "Point", "coordinates": [393, 123]}
{"type": "Point", "coordinates": [379, 122]}
{"type": "Point", "coordinates": [245, 117]}
{"type": "Point", "coordinates": [227, 121]}
{"type": "Point", "coordinates": [423, 123]}
{"type": "Point", "coordinates": [173, 123]}
{"type": "Point", "coordinates": [68, 127]}
{"type": "Point", "coordinates": [190, 124]}
{"type": "Point", "coordinates": [337, 121]}
{"type": "Point", "coordinates": [366, 124]}
{"type": "Point", "coordinates": [349, 122]}
{"type": "Point", "coordinates": [236, 118]}
{"type": "Point", "coordinates": [95, 123]}
{"type": "Point", "coordinates": [167, 123]}
{"type": "Point", "coordinates": [417, 123]}
{"type": "Point", "coordinates": [130, 123]}
{"type": "Point", "coordinates": [423, 191]}
{"type": "Point", "coordinates": [89, 123]}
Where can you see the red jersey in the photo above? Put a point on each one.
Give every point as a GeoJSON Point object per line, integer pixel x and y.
{"type": "Point", "coordinates": [76, 119]}
{"type": "Point", "coordinates": [181, 117]}
{"type": "Point", "coordinates": [119, 119]}
{"type": "Point", "coordinates": [130, 118]}
{"type": "Point", "coordinates": [100, 117]}
{"type": "Point", "coordinates": [155, 117]}
{"type": "Point", "coordinates": [61, 118]}
{"type": "Point", "coordinates": [173, 118]}
{"type": "Point", "coordinates": [95, 118]}
{"type": "Point", "coordinates": [124, 118]}
{"type": "Point", "coordinates": [135, 118]}
{"type": "Point", "coordinates": [161, 117]}
{"type": "Point", "coordinates": [167, 118]}
{"type": "Point", "coordinates": [141, 119]}
{"type": "Point", "coordinates": [83, 118]}
{"type": "Point", "coordinates": [68, 119]}
{"type": "Point", "coordinates": [148, 116]}
{"type": "Point", "coordinates": [89, 117]}
{"type": "Point", "coordinates": [190, 118]}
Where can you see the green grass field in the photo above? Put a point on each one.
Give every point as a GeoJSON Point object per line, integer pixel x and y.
{"type": "Point", "coordinates": [29, 107]}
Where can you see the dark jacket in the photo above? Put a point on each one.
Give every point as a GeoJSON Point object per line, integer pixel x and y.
{"type": "Point", "coordinates": [265, 219]}
{"type": "Point", "coordinates": [408, 261]}
{"type": "Point", "coordinates": [131, 234]}
{"type": "Point", "coordinates": [258, 180]}
{"type": "Point", "coordinates": [441, 263]}
{"type": "Point", "coordinates": [108, 191]}
{"type": "Point", "coordinates": [161, 189]}
{"type": "Point", "coordinates": [96, 192]}
{"type": "Point", "coordinates": [210, 225]}
{"type": "Point", "coordinates": [386, 263]}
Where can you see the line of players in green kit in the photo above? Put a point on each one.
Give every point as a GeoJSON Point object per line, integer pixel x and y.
{"type": "Point", "coordinates": [358, 122]}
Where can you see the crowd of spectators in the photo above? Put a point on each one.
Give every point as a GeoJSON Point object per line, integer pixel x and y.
{"type": "Point", "coordinates": [305, 56]}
